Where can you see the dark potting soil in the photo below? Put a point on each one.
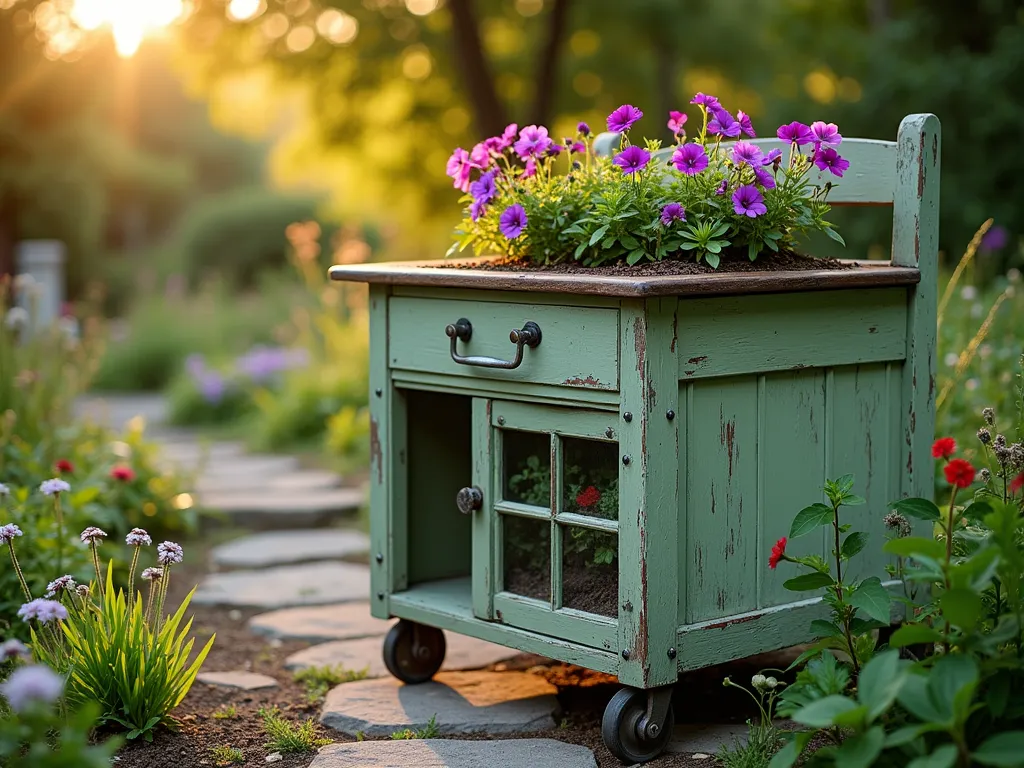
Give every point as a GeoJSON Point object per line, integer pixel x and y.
{"type": "Point", "coordinates": [776, 262]}
{"type": "Point", "coordinates": [594, 589]}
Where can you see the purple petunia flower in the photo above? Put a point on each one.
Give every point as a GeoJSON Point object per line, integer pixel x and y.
{"type": "Point", "coordinates": [578, 148]}
{"type": "Point", "coordinates": [512, 221]}
{"type": "Point", "coordinates": [499, 144]}
{"type": "Point", "coordinates": [676, 121]}
{"type": "Point", "coordinates": [32, 686]}
{"type": "Point", "coordinates": [554, 150]}
{"type": "Point", "coordinates": [54, 487]}
{"type": "Point", "coordinates": [724, 123]}
{"type": "Point", "coordinates": [64, 583]}
{"type": "Point", "coordinates": [477, 209]}
{"type": "Point", "coordinates": [530, 169]}
{"type": "Point", "coordinates": [14, 649]}
{"type": "Point", "coordinates": [9, 532]}
{"type": "Point", "coordinates": [459, 168]}
{"type": "Point", "coordinates": [747, 201]}
{"type": "Point", "coordinates": [632, 159]}
{"type": "Point", "coordinates": [772, 158]}
{"type": "Point", "coordinates": [168, 553]}
{"type": "Point", "coordinates": [152, 574]}
{"type": "Point", "coordinates": [690, 159]}
{"type": "Point", "coordinates": [622, 119]}
{"type": "Point", "coordinates": [480, 156]}
{"type": "Point", "coordinates": [764, 177]}
{"type": "Point", "coordinates": [826, 134]}
{"type": "Point", "coordinates": [533, 141]}
{"type": "Point", "coordinates": [582, 129]}
{"type": "Point", "coordinates": [721, 188]}
{"type": "Point", "coordinates": [672, 212]}
{"type": "Point", "coordinates": [745, 152]}
{"type": "Point", "coordinates": [484, 189]}
{"type": "Point", "coordinates": [138, 537]}
{"type": "Point", "coordinates": [829, 160]}
{"type": "Point", "coordinates": [708, 102]}
{"type": "Point", "coordinates": [42, 610]}
{"type": "Point", "coordinates": [745, 125]}
{"type": "Point", "coordinates": [795, 133]}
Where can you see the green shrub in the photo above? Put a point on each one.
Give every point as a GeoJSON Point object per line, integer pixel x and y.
{"type": "Point", "coordinates": [238, 234]}
{"type": "Point", "coordinates": [318, 680]}
{"type": "Point", "coordinates": [290, 738]}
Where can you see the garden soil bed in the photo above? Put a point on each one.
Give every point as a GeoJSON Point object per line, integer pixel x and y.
{"type": "Point", "coordinates": [594, 590]}
{"type": "Point", "coordinates": [783, 261]}
{"type": "Point", "coordinates": [583, 694]}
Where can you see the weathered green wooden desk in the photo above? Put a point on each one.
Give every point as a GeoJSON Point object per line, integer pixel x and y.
{"type": "Point", "coordinates": [606, 488]}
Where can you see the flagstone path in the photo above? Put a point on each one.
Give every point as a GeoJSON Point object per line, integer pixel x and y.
{"type": "Point", "coordinates": [303, 566]}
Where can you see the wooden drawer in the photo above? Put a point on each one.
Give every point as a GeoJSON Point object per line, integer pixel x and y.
{"type": "Point", "coordinates": [579, 345]}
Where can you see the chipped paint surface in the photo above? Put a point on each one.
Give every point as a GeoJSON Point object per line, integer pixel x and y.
{"type": "Point", "coordinates": [582, 381]}
{"type": "Point", "coordinates": [376, 454]}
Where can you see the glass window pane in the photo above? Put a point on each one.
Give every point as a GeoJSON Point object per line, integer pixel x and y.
{"type": "Point", "coordinates": [590, 571]}
{"type": "Point", "coordinates": [527, 468]}
{"type": "Point", "coordinates": [590, 478]}
{"type": "Point", "coordinates": [527, 553]}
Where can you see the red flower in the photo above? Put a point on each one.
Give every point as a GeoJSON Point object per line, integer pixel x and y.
{"type": "Point", "coordinates": [1016, 484]}
{"type": "Point", "coordinates": [64, 467]}
{"type": "Point", "coordinates": [122, 473]}
{"type": "Point", "coordinates": [960, 473]}
{"type": "Point", "coordinates": [588, 497]}
{"type": "Point", "coordinates": [943, 448]}
{"type": "Point", "coordinates": [778, 553]}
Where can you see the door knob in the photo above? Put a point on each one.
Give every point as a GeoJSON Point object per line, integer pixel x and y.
{"type": "Point", "coordinates": [469, 500]}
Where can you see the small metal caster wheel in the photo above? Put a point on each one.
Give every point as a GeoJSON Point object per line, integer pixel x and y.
{"type": "Point", "coordinates": [627, 730]}
{"type": "Point", "coordinates": [414, 652]}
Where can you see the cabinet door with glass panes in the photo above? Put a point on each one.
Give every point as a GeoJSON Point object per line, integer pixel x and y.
{"type": "Point", "coordinates": [546, 544]}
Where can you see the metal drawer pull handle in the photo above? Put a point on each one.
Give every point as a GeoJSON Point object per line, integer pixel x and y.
{"type": "Point", "coordinates": [527, 336]}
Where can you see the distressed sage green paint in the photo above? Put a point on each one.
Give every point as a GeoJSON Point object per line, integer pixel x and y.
{"type": "Point", "coordinates": [770, 393]}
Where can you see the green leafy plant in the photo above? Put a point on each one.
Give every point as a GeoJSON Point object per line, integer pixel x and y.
{"type": "Point", "coordinates": [318, 680]}
{"type": "Point", "coordinates": [429, 731]}
{"type": "Point", "coordinates": [226, 712]}
{"type": "Point", "coordinates": [290, 738]}
{"type": "Point", "coordinates": [223, 754]}
{"type": "Point", "coordinates": [763, 737]}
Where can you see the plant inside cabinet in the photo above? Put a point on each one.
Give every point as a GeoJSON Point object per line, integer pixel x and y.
{"type": "Point", "coordinates": [595, 468]}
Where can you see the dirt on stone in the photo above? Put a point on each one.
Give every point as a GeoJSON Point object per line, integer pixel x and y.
{"type": "Point", "coordinates": [785, 260]}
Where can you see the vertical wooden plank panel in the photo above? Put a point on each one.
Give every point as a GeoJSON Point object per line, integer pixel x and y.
{"type": "Point", "coordinates": [915, 243]}
{"type": "Point", "coordinates": [859, 406]}
{"type": "Point", "coordinates": [792, 442]}
{"type": "Point", "coordinates": [648, 491]}
{"type": "Point", "coordinates": [384, 575]}
{"type": "Point", "coordinates": [721, 489]}
{"type": "Point", "coordinates": [484, 522]}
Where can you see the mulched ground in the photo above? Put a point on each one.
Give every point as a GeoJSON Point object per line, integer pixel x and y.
{"type": "Point", "coordinates": [776, 262]}
{"type": "Point", "coordinates": [583, 694]}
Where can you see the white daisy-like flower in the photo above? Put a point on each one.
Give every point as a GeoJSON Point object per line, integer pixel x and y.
{"type": "Point", "coordinates": [93, 534]}
{"type": "Point", "coordinates": [54, 486]}
{"type": "Point", "coordinates": [137, 537]}
{"type": "Point", "coordinates": [30, 686]}
{"type": "Point", "coordinates": [169, 553]}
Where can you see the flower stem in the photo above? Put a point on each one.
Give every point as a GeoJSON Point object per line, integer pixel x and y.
{"type": "Point", "coordinates": [162, 596]}
{"type": "Point", "coordinates": [131, 575]}
{"type": "Point", "coordinates": [59, 513]}
{"type": "Point", "coordinates": [17, 570]}
{"type": "Point", "coordinates": [153, 588]}
{"type": "Point", "coordinates": [949, 557]}
{"type": "Point", "coordinates": [96, 565]}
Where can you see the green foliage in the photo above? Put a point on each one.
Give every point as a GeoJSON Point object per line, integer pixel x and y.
{"type": "Point", "coordinates": [318, 680]}
{"type": "Point", "coordinates": [596, 213]}
{"type": "Point", "coordinates": [429, 731]}
{"type": "Point", "coordinates": [763, 738]}
{"type": "Point", "coordinates": [239, 233]}
{"type": "Point", "coordinates": [135, 664]}
{"type": "Point", "coordinates": [290, 738]}
{"type": "Point", "coordinates": [223, 754]}
{"type": "Point", "coordinates": [226, 712]}
{"type": "Point", "coordinates": [48, 737]}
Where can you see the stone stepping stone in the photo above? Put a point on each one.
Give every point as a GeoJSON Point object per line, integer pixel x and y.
{"type": "Point", "coordinates": [340, 621]}
{"type": "Point", "coordinates": [257, 467]}
{"type": "Point", "coordinates": [311, 584]}
{"type": "Point", "coordinates": [463, 653]}
{"type": "Point", "coordinates": [246, 681]}
{"type": "Point", "coordinates": [284, 547]}
{"type": "Point", "coordinates": [265, 510]}
{"type": "Point", "coordinates": [300, 481]}
{"type": "Point", "coordinates": [190, 453]}
{"type": "Point", "coordinates": [459, 703]}
{"type": "Point", "coordinates": [706, 737]}
{"type": "Point", "coordinates": [116, 410]}
{"type": "Point", "coordinates": [447, 753]}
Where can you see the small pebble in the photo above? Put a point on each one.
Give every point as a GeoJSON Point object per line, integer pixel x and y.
{"type": "Point", "coordinates": [234, 614]}
{"type": "Point", "coordinates": [701, 756]}
{"type": "Point", "coordinates": [275, 642]}
{"type": "Point", "coordinates": [274, 757]}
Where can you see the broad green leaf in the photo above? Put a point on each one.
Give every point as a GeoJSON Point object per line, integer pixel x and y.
{"type": "Point", "coordinates": [856, 718]}
{"type": "Point", "coordinates": [629, 242]}
{"type": "Point", "coordinates": [854, 543]}
{"type": "Point", "coordinates": [903, 736]}
{"type": "Point", "coordinates": [1004, 749]}
{"type": "Point", "coordinates": [845, 483]}
{"type": "Point", "coordinates": [852, 500]}
{"type": "Point", "coordinates": [915, 545]}
{"type": "Point", "coordinates": [787, 756]}
{"type": "Point", "coordinates": [825, 628]}
{"type": "Point", "coordinates": [809, 518]}
{"type": "Point", "coordinates": [713, 259]}
{"type": "Point", "coordinates": [835, 236]}
{"type": "Point", "coordinates": [879, 682]}
{"type": "Point", "coordinates": [922, 509]}
{"type": "Point", "coordinates": [998, 694]}
{"type": "Point", "coordinates": [942, 757]}
{"type": "Point", "coordinates": [821, 713]}
{"type": "Point", "coordinates": [872, 598]}
{"type": "Point", "coordinates": [860, 751]}
{"type": "Point", "coordinates": [961, 607]}
{"type": "Point", "coordinates": [950, 680]}
{"type": "Point", "coordinates": [809, 581]}
{"type": "Point", "coordinates": [635, 256]}
{"type": "Point", "coordinates": [912, 634]}
{"type": "Point", "coordinates": [598, 234]}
